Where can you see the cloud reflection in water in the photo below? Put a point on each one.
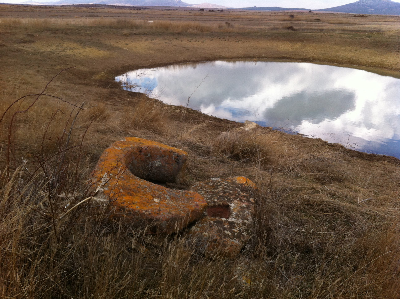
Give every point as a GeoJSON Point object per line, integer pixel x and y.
{"type": "Point", "coordinates": [355, 108]}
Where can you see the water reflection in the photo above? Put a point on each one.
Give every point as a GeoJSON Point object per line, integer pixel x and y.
{"type": "Point", "coordinates": [313, 107]}
{"type": "Point", "coordinates": [355, 108]}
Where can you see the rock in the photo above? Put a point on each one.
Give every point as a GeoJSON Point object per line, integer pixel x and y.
{"type": "Point", "coordinates": [249, 125]}
{"type": "Point", "coordinates": [227, 221]}
{"type": "Point", "coordinates": [125, 176]}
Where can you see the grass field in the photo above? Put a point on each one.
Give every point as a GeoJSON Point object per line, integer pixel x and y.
{"type": "Point", "coordinates": [326, 223]}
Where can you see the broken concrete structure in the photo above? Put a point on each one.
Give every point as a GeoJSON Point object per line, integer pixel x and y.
{"type": "Point", "coordinates": [126, 174]}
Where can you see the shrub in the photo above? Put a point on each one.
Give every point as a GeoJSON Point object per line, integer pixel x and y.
{"type": "Point", "coordinates": [242, 145]}
{"type": "Point", "coordinates": [146, 115]}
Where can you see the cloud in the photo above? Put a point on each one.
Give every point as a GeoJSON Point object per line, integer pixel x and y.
{"type": "Point", "coordinates": [348, 106]}
{"type": "Point", "coordinates": [312, 107]}
{"type": "Point", "coordinates": [311, 4]}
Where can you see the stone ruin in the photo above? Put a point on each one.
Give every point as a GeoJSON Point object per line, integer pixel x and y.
{"type": "Point", "coordinates": [217, 213]}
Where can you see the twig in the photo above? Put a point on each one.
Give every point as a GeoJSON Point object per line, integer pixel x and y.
{"type": "Point", "coordinates": [197, 87]}
{"type": "Point", "coordinates": [10, 128]}
{"type": "Point", "coordinates": [75, 206]}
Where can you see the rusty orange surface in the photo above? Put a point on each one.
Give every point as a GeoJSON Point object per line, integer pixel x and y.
{"type": "Point", "coordinates": [168, 209]}
{"type": "Point", "coordinates": [244, 181]}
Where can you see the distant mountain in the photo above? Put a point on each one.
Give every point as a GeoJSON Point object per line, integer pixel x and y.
{"type": "Point", "coordinates": [379, 7]}
{"type": "Point", "coordinates": [272, 8]}
{"type": "Point", "coordinates": [207, 5]}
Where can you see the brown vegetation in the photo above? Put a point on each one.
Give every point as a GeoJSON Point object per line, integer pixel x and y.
{"type": "Point", "coordinates": [326, 222]}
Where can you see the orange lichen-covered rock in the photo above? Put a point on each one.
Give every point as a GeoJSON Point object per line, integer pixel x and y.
{"type": "Point", "coordinates": [228, 217]}
{"type": "Point", "coordinates": [125, 174]}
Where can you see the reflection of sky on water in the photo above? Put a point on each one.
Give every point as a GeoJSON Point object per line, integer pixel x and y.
{"type": "Point", "coordinates": [355, 108]}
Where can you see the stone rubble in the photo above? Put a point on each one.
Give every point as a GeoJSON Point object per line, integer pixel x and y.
{"type": "Point", "coordinates": [228, 218]}
{"type": "Point", "coordinates": [125, 174]}
{"type": "Point", "coordinates": [128, 177]}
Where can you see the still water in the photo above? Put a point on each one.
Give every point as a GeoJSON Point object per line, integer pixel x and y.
{"type": "Point", "coordinates": [358, 109]}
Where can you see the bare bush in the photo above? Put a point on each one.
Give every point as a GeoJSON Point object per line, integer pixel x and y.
{"type": "Point", "coordinates": [242, 145]}
{"type": "Point", "coordinates": [146, 115]}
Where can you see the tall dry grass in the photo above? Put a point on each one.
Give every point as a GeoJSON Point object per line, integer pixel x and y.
{"type": "Point", "coordinates": [120, 23]}
{"type": "Point", "coordinates": [85, 256]}
{"type": "Point", "coordinates": [245, 146]}
{"type": "Point", "coordinates": [58, 241]}
{"type": "Point", "coordinates": [66, 246]}
{"type": "Point", "coordinates": [146, 115]}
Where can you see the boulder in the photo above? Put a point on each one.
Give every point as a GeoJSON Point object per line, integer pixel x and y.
{"type": "Point", "coordinates": [227, 221]}
{"type": "Point", "coordinates": [126, 176]}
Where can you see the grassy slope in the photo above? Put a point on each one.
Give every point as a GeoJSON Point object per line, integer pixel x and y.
{"type": "Point", "coordinates": [326, 220]}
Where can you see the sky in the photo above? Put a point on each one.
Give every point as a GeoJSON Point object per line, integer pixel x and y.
{"type": "Point", "coordinates": [321, 101]}
{"type": "Point", "coordinates": [310, 4]}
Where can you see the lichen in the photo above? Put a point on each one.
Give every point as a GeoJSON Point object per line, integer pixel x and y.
{"type": "Point", "coordinates": [135, 197]}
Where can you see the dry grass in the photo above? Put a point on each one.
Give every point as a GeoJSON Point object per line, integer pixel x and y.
{"type": "Point", "coordinates": [146, 116]}
{"type": "Point", "coordinates": [121, 23]}
{"type": "Point", "coordinates": [180, 27]}
{"type": "Point", "coordinates": [29, 122]}
{"type": "Point", "coordinates": [244, 146]}
{"type": "Point", "coordinates": [98, 112]}
{"type": "Point", "coordinates": [326, 220]}
{"type": "Point", "coordinates": [61, 243]}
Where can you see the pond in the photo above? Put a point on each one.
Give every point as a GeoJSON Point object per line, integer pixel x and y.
{"type": "Point", "coordinates": [358, 109]}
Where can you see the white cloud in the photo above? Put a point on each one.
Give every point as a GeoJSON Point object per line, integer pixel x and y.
{"type": "Point", "coordinates": [311, 4]}
{"type": "Point", "coordinates": [348, 106]}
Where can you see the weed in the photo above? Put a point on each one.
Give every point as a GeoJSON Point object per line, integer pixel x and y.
{"type": "Point", "coordinates": [180, 27]}
{"type": "Point", "coordinates": [241, 145]}
{"type": "Point", "coordinates": [148, 116]}
{"type": "Point", "coordinates": [98, 112]}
